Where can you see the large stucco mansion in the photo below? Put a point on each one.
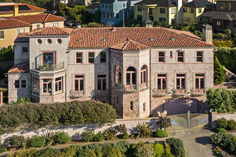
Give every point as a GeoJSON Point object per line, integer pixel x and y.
{"type": "Point", "coordinates": [140, 71]}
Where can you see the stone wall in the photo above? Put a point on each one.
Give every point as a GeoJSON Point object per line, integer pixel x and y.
{"type": "Point", "coordinates": [215, 116]}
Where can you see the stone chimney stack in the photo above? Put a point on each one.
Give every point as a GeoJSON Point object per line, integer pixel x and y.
{"type": "Point", "coordinates": [16, 9]}
{"type": "Point", "coordinates": [207, 33]}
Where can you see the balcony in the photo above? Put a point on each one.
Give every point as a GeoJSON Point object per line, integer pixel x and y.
{"type": "Point", "coordinates": [48, 67]}
{"type": "Point", "coordinates": [130, 88]}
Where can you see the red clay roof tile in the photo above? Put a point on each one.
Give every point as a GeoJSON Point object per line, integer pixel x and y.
{"type": "Point", "coordinates": [129, 45]}
{"type": "Point", "coordinates": [20, 68]}
{"type": "Point", "coordinates": [51, 31]}
{"type": "Point", "coordinates": [12, 23]}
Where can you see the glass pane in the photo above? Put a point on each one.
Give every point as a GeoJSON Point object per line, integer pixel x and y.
{"type": "Point", "coordinates": [202, 83]}
{"type": "Point", "coordinates": [44, 88]}
{"type": "Point", "coordinates": [49, 87]}
{"type": "Point", "coordinates": [104, 84]}
{"type": "Point", "coordinates": [76, 85]}
{"type": "Point", "coordinates": [178, 83]}
{"type": "Point", "coordinates": [183, 83]}
{"type": "Point", "coordinates": [133, 78]}
{"type": "Point", "coordinates": [128, 78]}
{"type": "Point", "coordinates": [159, 83]}
{"type": "Point", "coordinates": [17, 84]}
{"type": "Point", "coordinates": [164, 83]}
{"type": "Point", "coordinates": [81, 85]}
{"type": "Point", "coordinates": [99, 84]}
{"type": "Point", "coordinates": [60, 86]}
{"type": "Point", "coordinates": [48, 58]}
{"type": "Point", "coordinates": [197, 83]}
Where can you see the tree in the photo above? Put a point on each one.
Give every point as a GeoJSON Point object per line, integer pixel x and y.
{"type": "Point", "coordinates": [219, 72]}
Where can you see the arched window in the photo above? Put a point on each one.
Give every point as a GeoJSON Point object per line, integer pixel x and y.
{"type": "Point", "coordinates": [117, 74]}
{"type": "Point", "coordinates": [144, 75]}
{"type": "Point", "coordinates": [131, 76]}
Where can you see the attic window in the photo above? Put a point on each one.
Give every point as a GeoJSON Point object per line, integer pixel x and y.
{"type": "Point", "coordinates": [151, 39]}
{"type": "Point", "coordinates": [39, 41]}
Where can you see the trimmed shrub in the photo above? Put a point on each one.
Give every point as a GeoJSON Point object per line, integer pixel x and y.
{"type": "Point", "coordinates": [98, 137]}
{"type": "Point", "coordinates": [61, 138]}
{"type": "Point", "coordinates": [219, 72]}
{"type": "Point", "coordinates": [68, 113]}
{"type": "Point", "coordinates": [37, 141]}
{"type": "Point", "coordinates": [87, 136]}
{"type": "Point", "coordinates": [144, 150]}
{"type": "Point", "coordinates": [222, 123]}
{"type": "Point", "coordinates": [123, 136]}
{"type": "Point", "coordinates": [17, 141]}
{"type": "Point", "coordinates": [143, 130]}
{"type": "Point", "coordinates": [232, 124]}
{"type": "Point", "coordinates": [177, 147]}
{"type": "Point", "coordinates": [159, 149]}
{"type": "Point", "coordinates": [112, 151]}
{"type": "Point", "coordinates": [160, 133]}
{"type": "Point", "coordinates": [3, 149]}
{"type": "Point", "coordinates": [221, 130]}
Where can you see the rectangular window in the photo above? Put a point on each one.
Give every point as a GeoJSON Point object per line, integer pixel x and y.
{"type": "Point", "coordinates": [162, 19]}
{"type": "Point", "coordinates": [162, 10]}
{"type": "Point", "coordinates": [1, 34]}
{"type": "Point", "coordinates": [150, 11]}
{"type": "Point", "coordinates": [180, 81]}
{"type": "Point", "coordinates": [192, 10]}
{"type": "Point", "coordinates": [199, 10]}
{"type": "Point", "coordinates": [101, 82]}
{"type": "Point", "coordinates": [185, 10]}
{"type": "Point", "coordinates": [199, 81]}
{"type": "Point", "coordinates": [139, 17]}
{"type": "Point", "coordinates": [79, 57]}
{"type": "Point", "coordinates": [91, 57]}
{"type": "Point", "coordinates": [199, 56]}
{"type": "Point", "coordinates": [23, 83]}
{"type": "Point", "coordinates": [25, 49]}
{"type": "Point", "coordinates": [161, 81]}
{"type": "Point", "coordinates": [131, 106]}
{"type": "Point", "coordinates": [17, 84]}
{"type": "Point", "coordinates": [218, 23]}
{"type": "Point", "coordinates": [36, 85]}
{"type": "Point", "coordinates": [48, 58]}
{"type": "Point", "coordinates": [47, 85]}
{"type": "Point", "coordinates": [180, 56]}
{"type": "Point", "coordinates": [20, 30]}
{"type": "Point", "coordinates": [54, 24]}
{"type": "Point", "coordinates": [139, 8]}
{"type": "Point", "coordinates": [103, 57]}
{"type": "Point", "coordinates": [58, 84]}
{"type": "Point", "coordinates": [161, 57]}
{"type": "Point", "coordinates": [173, 10]}
{"type": "Point", "coordinates": [117, 15]}
{"type": "Point", "coordinates": [38, 26]}
{"type": "Point", "coordinates": [79, 83]}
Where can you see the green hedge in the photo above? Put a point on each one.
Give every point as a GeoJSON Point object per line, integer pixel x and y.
{"type": "Point", "coordinates": [118, 149]}
{"type": "Point", "coordinates": [227, 57]}
{"type": "Point", "coordinates": [70, 113]}
{"type": "Point", "coordinates": [221, 100]}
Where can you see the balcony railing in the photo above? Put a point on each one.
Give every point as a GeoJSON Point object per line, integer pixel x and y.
{"type": "Point", "coordinates": [130, 88]}
{"type": "Point", "coordinates": [48, 67]}
{"type": "Point", "coordinates": [76, 94]}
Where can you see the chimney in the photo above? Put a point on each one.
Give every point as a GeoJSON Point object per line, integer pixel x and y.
{"type": "Point", "coordinates": [16, 9]}
{"type": "Point", "coordinates": [207, 33]}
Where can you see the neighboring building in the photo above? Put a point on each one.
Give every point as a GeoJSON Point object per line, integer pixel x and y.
{"type": "Point", "coordinates": [80, 2]}
{"type": "Point", "coordinates": [223, 17]}
{"type": "Point", "coordinates": [170, 11]}
{"type": "Point", "coordinates": [18, 9]}
{"type": "Point", "coordinates": [193, 10]}
{"type": "Point", "coordinates": [114, 11]}
{"type": "Point", "coordinates": [93, 8]}
{"type": "Point", "coordinates": [10, 27]}
{"type": "Point", "coordinates": [138, 70]}
{"type": "Point", "coordinates": [160, 11]}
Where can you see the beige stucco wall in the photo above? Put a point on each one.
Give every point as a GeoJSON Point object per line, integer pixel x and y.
{"type": "Point", "coordinates": [19, 55]}
{"type": "Point", "coordinates": [10, 36]}
{"type": "Point", "coordinates": [13, 93]}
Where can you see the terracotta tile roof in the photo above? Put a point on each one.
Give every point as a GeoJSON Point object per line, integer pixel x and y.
{"type": "Point", "coordinates": [39, 18]}
{"type": "Point", "coordinates": [20, 68]}
{"type": "Point", "coordinates": [12, 23]}
{"type": "Point", "coordinates": [153, 37]}
{"type": "Point", "coordinates": [22, 38]}
{"type": "Point", "coordinates": [51, 31]}
{"type": "Point", "coordinates": [23, 7]}
{"type": "Point", "coordinates": [130, 45]}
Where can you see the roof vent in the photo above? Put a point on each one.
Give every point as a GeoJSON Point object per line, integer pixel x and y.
{"type": "Point", "coordinates": [80, 39]}
{"type": "Point", "coordinates": [113, 29]}
{"type": "Point", "coordinates": [172, 38]}
{"type": "Point", "coordinates": [105, 39]}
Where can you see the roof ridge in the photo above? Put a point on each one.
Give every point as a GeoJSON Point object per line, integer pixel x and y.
{"type": "Point", "coordinates": [47, 15]}
{"type": "Point", "coordinates": [20, 21]}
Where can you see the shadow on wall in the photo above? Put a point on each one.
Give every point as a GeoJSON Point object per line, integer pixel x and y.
{"type": "Point", "coordinates": [182, 105]}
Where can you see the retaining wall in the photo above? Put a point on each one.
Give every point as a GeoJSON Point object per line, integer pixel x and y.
{"type": "Point", "coordinates": [215, 116]}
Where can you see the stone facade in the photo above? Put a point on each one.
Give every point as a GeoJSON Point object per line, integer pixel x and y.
{"type": "Point", "coordinates": [126, 79]}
